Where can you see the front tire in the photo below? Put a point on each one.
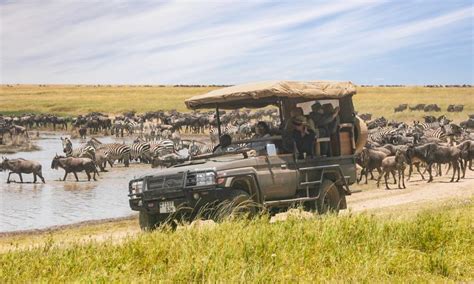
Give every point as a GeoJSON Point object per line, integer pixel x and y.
{"type": "Point", "coordinates": [148, 222]}
{"type": "Point", "coordinates": [241, 204]}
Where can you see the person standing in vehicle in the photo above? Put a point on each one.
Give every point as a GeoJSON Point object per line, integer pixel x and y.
{"type": "Point", "coordinates": [325, 118]}
{"type": "Point", "coordinates": [303, 137]}
{"type": "Point", "coordinates": [298, 112]}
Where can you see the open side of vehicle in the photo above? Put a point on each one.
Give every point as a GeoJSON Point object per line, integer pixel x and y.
{"type": "Point", "coordinates": [276, 178]}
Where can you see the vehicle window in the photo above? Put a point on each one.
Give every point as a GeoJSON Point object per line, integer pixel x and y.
{"type": "Point", "coordinates": [306, 106]}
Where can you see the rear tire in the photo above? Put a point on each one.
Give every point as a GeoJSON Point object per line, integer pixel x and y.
{"type": "Point", "coordinates": [330, 200]}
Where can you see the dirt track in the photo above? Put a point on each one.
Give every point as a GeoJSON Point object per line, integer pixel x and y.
{"type": "Point", "coordinates": [418, 192]}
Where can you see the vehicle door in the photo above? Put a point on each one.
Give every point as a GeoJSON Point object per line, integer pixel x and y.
{"type": "Point", "coordinates": [277, 176]}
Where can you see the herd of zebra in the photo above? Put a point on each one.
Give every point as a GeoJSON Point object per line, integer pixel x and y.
{"type": "Point", "coordinates": [393, 145]}
{"type": "Point", "coordinates": [109, 153]}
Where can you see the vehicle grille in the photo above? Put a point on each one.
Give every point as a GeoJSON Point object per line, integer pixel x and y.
{"type": "Point", "coordinates": [191, 179]}
{"type": "Point", "coordinates": [169, 183]}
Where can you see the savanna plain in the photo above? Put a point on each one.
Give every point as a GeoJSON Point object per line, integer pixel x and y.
{"type": "Point", "coordinates": [430, 242]}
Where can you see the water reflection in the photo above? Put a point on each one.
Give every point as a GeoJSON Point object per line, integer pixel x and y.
{"type": "Point", "coordinates": [33, 206]}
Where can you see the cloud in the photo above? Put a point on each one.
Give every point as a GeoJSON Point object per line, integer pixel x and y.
{"type": "Point", "coordinates": [216, 42]}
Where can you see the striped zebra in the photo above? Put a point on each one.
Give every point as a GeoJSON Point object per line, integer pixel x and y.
{"type": "Point", "coordinates": [162, 147]}
{"type": "Point", "coordinates": [435, 133]}
{"type": "Point", "coordinates": [443, 133]}
{"type": "Point", "coordinates": [133, 126]}
{"type": "Point", "coordinates": [229, 129]}
{"type": "Point", "coordinates": [117, 152]}
{"type": "Point", "coordinates": [427, 125]}
{"type": "Point", "coordinates": [380, 135]}
{"type": "Point", "coordinates": [196, 148]}
{"type": "Point", "coordinates": [112, 151]}
{"type": "Point", "coordinates": [140, 151]}
{"type": "Point", "coordinates": [85, 151]}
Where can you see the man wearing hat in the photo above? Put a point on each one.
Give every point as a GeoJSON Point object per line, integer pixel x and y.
{"type": "Point", "coordinates": [303, 137]}
{"type": "Point", "coordinates": [298, 112]}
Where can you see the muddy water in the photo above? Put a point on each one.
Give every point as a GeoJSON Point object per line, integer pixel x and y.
{"type": "Point", "coordinates": [35, 206]}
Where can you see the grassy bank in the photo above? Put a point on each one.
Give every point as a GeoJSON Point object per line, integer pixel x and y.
{"type": "Point", "coordinates": [73, 100]}
{"type": "Point", "coordinates": [430, 246]}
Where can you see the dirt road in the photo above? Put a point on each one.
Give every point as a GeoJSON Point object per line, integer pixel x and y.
{"type": "Point", "coordinates": [418, 192]}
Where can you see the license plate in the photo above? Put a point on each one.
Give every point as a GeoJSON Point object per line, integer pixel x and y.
{"type": "Point", "coordinates": [167, 207]}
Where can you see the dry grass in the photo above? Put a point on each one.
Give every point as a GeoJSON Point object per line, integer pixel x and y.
{"type": "Point", "coordinates": [382, 101]}
{"type": "Point", "coordinates": [73, 100]}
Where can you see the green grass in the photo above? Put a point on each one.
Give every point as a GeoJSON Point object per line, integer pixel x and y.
{"type": "Point", "coordinates": [73, 100]}
{"type": "Point", "coordinates": [430, 246]}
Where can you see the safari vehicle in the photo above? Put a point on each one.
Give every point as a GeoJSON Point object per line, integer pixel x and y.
{"type": "Point", "coordinates": [275, 179]}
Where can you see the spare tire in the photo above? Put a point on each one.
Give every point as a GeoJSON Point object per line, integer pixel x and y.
{"type": "Point", "coordinates": [360, 135]}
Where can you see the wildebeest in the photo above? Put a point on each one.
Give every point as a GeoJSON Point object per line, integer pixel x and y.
{"type": "Point", "coordinates": [417, 107]}
{"type": "Point", "coordinates": [431, 107]}
{"type": "Point", "coordinates": [467, 154]}
{"type": "Point", "coordinates": [82, 132]}
{"type": "Point", "coordinates": [19, 130]}
{"type": "Point", "coordinates": [22, 166]}
{"type": "Point", "coordinates": [366, 116]}
{"type": "Point", "coordinates": [74, 165]}
{"type": "Point", "coordinates": [467, 123]}
{"type": "Point", "coordinates": [429, 118]}
{"type": "Point", "coordinates": [401, 108]}
{"type": "Point", "coordinates": [392, 164]}
{"type": "Point", "coordinates": [4, 130]}
{"type": "Point", "coordinates": [455, 108]}
{"type": "Point", "coordinates": [432, 153]}
{"type": "Point", "coordinates": [370, 160]}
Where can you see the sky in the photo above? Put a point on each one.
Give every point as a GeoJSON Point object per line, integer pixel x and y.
{"type": "Point", "coordinates": [231, 42]}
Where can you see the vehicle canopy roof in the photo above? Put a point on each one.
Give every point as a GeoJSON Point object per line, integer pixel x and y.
{"type": "Point", "coordinates": [261, 94]}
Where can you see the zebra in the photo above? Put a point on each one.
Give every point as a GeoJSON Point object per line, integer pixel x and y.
{"type": "Point", "coordinates": [85, 151]}
{"type": "Point", "coordinates": [427, 125]}
{"type": "Point", "coordinates": [162, 147]}
{"type": "Point", "coordinates": [380, 135]}
{"type": "Point", "coordinates": [441, 121]}
{"type": "Point", "coordinates": [199, 148]}
{"type": "Point", "coordinates": [443, 133]}
{"type": "Point", "coordinates": [117, 151]}
{"type": "Point", "coordinates": [232, 130]}
{"type": "Point", "coordinates": [140, 150]}
{"type": "Point", "coordinates": [113, 151]}
{"type": "Point", "coordinates": [133, 126]}
{"type": "Point", "coordinates": [176, 137]}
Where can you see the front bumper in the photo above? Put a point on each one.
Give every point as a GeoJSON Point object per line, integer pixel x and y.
{"type": "Point", "coordinates": [189, 200]}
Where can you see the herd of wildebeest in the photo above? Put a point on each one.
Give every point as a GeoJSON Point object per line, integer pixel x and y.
{"type": "Point", "coordinates": [392, 146]}
{"type": "Point", "coordinates": [428, 108]}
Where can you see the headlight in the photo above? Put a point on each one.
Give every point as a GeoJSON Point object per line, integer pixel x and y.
{"type": "Point", "coordinates": [207, 178]}
{"type": "Point", "coordinates": [137, 187]}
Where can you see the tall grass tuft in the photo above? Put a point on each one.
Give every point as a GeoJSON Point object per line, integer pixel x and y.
{"type": "Point", "coordinates": [432, 246]}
